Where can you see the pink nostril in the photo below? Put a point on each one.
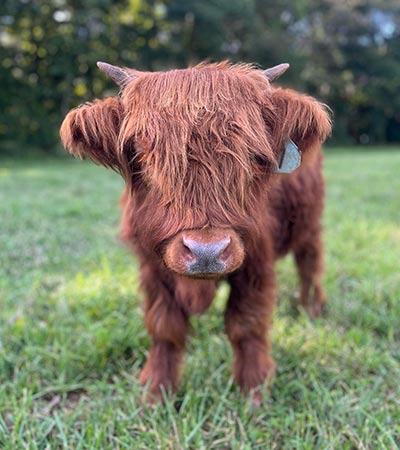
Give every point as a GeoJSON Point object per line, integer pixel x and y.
{"type": "Point", "coordinates": [187, 252]}
{"type": "Point", "coordinates": [226, 253]}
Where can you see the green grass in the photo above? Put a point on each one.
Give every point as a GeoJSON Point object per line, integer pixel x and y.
{"type": "Point", "coordinates": [72, 339]}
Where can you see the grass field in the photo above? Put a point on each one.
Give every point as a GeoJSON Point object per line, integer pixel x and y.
{"type": "Point", "coordinates": [72, 340]}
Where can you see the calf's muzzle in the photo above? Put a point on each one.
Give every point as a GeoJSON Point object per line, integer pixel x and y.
{"type": "Point", "coordinates": [204, 253]}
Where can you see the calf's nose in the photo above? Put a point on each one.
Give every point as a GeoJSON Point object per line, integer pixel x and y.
{"type": "Point", "coordinates": [205, 257]}
{"type": "Point", "coordinates": [204, 253]}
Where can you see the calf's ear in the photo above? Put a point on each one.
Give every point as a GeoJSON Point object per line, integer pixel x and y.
{"type": "Point", "coordinates": [299, 118]}
{"type": "Point", "coordinates": [92, 130]}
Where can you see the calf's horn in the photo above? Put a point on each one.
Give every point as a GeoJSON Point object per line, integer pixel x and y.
{"type": "Point", "coordinates": [120, 75]}
{"type": "Point", "coordinates": [275, 72]}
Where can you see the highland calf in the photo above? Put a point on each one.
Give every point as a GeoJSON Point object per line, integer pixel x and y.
{"type": "Point", "coordinates": [223, 176]}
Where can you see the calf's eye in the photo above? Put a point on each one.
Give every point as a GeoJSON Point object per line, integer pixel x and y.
{"type": "Point", "coordinates": [262, 161]}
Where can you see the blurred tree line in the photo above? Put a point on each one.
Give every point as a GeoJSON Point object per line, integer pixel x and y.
{"type": "Point", "coordinates": [345, 52]}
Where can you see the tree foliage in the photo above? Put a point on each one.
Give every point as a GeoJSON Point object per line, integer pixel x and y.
{"type": "Point", "coordinates": [346, 53]}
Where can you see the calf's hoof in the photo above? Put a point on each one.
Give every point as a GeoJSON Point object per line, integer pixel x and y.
{"type": "Point", "coordinates": [152, 397]}
{"type": "Point", "coordinates": [154, 390]}
{"type": "Point", "coordinates": [256, 380]}
{"type": "Point", "coordinates": [256, 397]}
{"type": "Point", "coordinates": [316, 310]}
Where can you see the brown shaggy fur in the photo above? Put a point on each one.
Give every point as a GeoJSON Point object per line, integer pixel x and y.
{"type": "Point", "coordinates": [197, 148]}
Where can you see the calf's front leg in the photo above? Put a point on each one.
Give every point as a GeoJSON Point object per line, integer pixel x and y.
{"type": "Point", "coordinates": [247, 321]}
{"type": "Point", "coordinates": [168, 326]}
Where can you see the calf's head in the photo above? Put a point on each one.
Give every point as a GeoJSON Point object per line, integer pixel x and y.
{"type": "Point", "coordinates": [199, 149]}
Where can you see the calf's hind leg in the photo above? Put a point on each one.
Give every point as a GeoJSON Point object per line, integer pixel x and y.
{"type": "Point", "coordinates": [310, 265]}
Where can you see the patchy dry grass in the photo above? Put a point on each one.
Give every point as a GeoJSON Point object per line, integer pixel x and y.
{"type": "Point", "coordinates": [72, 340]}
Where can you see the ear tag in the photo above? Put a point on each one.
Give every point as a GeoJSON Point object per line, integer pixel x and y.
{"type": "Point", "coordinates": [291, 158]}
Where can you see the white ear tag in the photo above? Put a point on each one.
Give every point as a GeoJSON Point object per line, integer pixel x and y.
{"type": "Point", "coordinates": [291, 158]}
